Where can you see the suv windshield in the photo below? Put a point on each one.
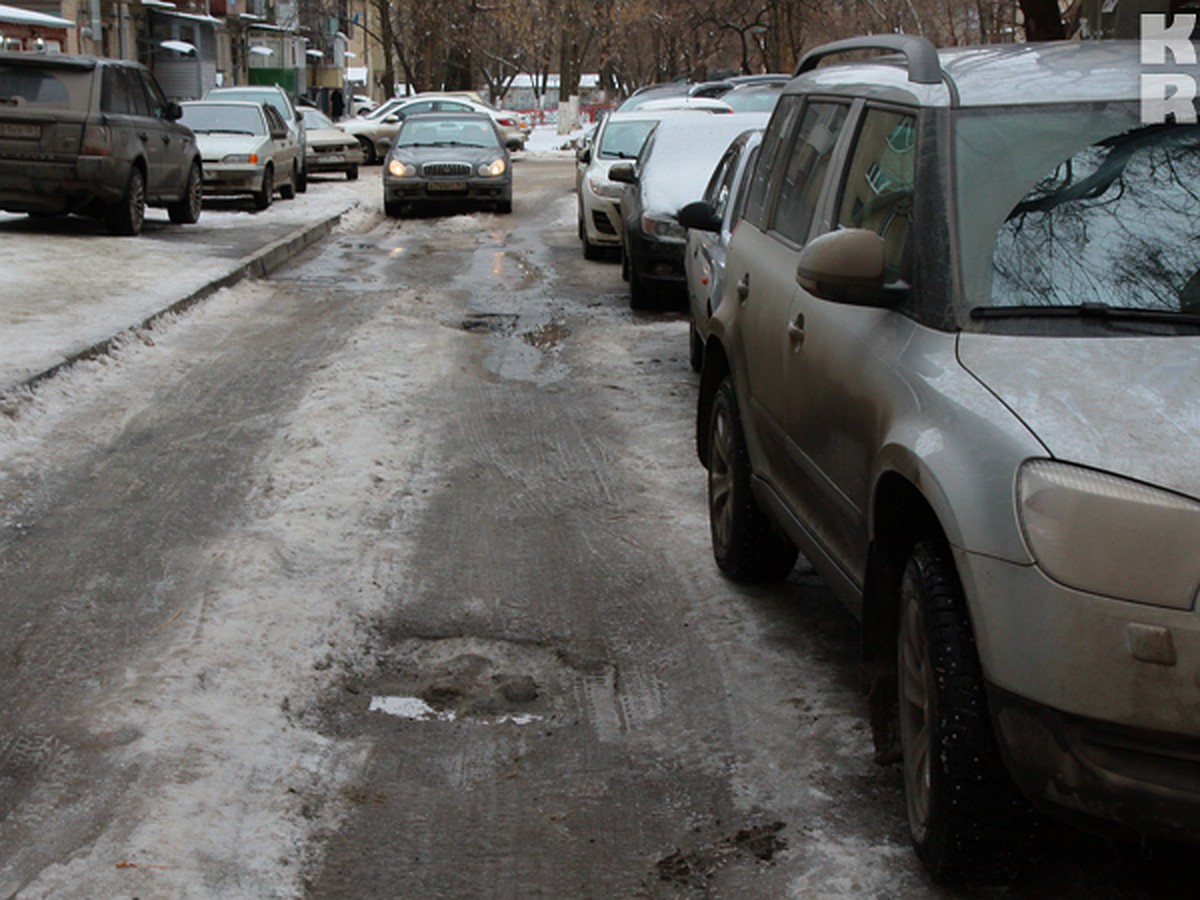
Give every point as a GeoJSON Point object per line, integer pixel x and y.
{"type": "Point", "coordinates": [1078, 209]}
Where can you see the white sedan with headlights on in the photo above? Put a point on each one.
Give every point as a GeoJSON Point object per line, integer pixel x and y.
{"type": "Point", "coordinates": [440, 159]}
{"type": "Point", "coordinates": [246, 148]}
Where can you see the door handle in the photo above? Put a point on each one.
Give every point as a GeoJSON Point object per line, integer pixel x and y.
{"type": "Point", "coordinates": [143, 136]}
{"type": "Point", "coordinates": [795, 330]}
{"type": "Point", "coordinates": [166, 139]}
{"type": "Point", "coordinates": [743, 288]}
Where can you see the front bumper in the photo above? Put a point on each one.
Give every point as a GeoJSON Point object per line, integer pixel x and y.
{"type": "Point", "coordinates": [1095, 772]}
{"type": "Point", "coordinates": [655, 260]}
{"type": "Point", "coordinates": [1096, 700]}
{"type": "Point", "coordinates": [601, 218]}
{"type": "Point", "coordinates": [333, 160]}
{"type": "Point", "coordinates": [224, 178]}
{"type": "Point", "coordinates": [426, 190]}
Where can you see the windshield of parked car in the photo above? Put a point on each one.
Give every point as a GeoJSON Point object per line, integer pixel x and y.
{"type": "Point", "coordinates": [1078, 209]}
{"type": "Point", "coordinates": [447, 133]}
{"type": "Point", "coordinates": [624, 140]}
{"type": "Point", "coordinates": [35, 86]}
{"type": "Point", "coordinates": [315, 120]}
{"type": "Point", "coordinates": [274, 98]}
{"type": "Point", "coordinates": [216, 118]}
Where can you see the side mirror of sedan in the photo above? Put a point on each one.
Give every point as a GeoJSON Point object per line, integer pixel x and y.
{"type": "Point", "coordinates": [847, 266]}
{"type": "Point", "coordinates": [584, 155]}
{"type": "Point", "coordinates": [393, 119]}
{"type": "Point", "coordinates": [700, 216]}
{"type": "Point", "coordinates": [624, 172]}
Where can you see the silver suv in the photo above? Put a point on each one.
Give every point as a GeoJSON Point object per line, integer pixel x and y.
{"type": "Point", "coordinates": [956, 365]}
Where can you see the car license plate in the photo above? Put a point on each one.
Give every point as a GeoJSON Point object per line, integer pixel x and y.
{"type": "Point", "coordinates": [333, 157]}
{"type": "Point", "coordinates": [447, 185]}
{"type": "Point", "coordinates": [12, 130]}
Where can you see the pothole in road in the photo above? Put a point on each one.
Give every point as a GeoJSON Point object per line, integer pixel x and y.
{"type": "Point", "coordinates": [459, 679]}
{"type": "Point", "coordinates": [489, 323]}
{"type": "Point", "coordinates": [696, 867]}
{"type": "Point", "coordinates": [547, 336]}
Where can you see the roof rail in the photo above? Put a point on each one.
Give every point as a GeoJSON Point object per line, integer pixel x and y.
{"type": "Point", "coordinates": [921, 55]}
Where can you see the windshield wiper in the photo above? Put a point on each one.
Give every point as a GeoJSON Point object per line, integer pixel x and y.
{"type": "Point", "coordinates": [1085, 311]}
{"type": "Point", "coordinates": [223, 131]}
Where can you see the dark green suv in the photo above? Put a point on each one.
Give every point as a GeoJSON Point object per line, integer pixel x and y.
{"type": "Point", "coordinates": [93, 136]}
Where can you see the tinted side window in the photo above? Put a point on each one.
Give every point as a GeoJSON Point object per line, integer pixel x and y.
{"type": "Point", "coordinates": [115, 95]}
{"type": "Point", "coordinates": [806, 168]}
{"type": "Point", "coordinates": [739, 205]}
{"type": "Point", "coordinates": [158, 102]}
{"type": "Point", "coordinates": [778, 131]}
{"type": "Point", "coordinates": [878, 189]}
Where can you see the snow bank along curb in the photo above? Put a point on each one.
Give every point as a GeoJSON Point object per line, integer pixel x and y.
{"type": "Point", "coordinates": [257, 265]}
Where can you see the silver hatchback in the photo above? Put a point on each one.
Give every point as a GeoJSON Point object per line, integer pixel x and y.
{"type": "Point", "coordinates": [957, 365]}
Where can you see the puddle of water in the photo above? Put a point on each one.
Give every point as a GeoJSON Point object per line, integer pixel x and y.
{"type": "Point", "coordinates": [416, 709]}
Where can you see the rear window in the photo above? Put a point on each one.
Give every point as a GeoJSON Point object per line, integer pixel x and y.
{"type": "Point", "coordinates": [41, 87]}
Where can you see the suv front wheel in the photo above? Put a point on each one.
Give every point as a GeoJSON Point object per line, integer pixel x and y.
{"type": "Point", "coordinates": [966, 818]}
{"type": "Point", "coordinates": [745, 545]}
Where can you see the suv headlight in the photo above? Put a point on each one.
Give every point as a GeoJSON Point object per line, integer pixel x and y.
{"type": "Point", "coordinates": [493, 170]}
{"type": "Point", "coordinates": [1107, 535]}
{"type": "Point", "coordinates": [663, 228]}
{"type": "Point", "coordinates": [400, 169]}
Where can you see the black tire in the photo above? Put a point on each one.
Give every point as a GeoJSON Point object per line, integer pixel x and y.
{"type": "Point", "coordinates": [695, 349]}
{"type": "Point", "coordinates": [302, 180]}
{"type": "Point", "coordinates": [966, 818]}
{"type": "Point", "coordinates": [504, 207]}
{"type": "Point", "coordinates": [186, 210]}
{"type": "Point", "coordinates": [639, 293]}
{"type": "Point", "coordinates": [127, 215]}
{"type": "Point", "coordinates": [370, 157]}
{"type": "Point", "coordinates": [745, 545]}
{"type": "Point", "coordinates": [352, 173]}
{"type": "Point", "coordinates": [393, 208]}
{"type": "Point", "coordinates": [288, 191]}
{"type": "Point", "coordinates": [263, 197]}
{"type": "Point", "coordinates": [590, 250]}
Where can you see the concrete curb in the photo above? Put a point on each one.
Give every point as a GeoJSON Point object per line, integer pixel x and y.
{"type": "Point", "coordinates": [258, 265]}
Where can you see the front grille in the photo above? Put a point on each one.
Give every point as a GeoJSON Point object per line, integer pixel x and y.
{"type": "Point", "coordinates": [446, 169]}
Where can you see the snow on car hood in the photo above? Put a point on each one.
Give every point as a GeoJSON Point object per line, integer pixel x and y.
{"type": "Point", "coordinates": [1124, 405]}
{"type": "Point", "coordinates": [686, 147]}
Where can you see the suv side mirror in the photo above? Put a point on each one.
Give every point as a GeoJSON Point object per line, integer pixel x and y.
{"type": "Point", "coordinates": [847, 266]}
{"type": "Point", "coordinates": [700, 216]}
{"type": "Point", "coordinates": [624, 172]}
{"type": "Point", "coordinates": [584, 155]}
{"type": "Point", "coordinates": [172, 112]}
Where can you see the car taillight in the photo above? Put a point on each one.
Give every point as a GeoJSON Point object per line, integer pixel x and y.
{"type": "Point", "coordinates": [97, 141]}
{"type": "Point", "coordinates": [507, 123]}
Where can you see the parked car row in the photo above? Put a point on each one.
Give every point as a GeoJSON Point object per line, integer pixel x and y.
{"type": "Point", "coordinates": [946, 315]}
{"type": "Point", "coordinates": [97, 137]}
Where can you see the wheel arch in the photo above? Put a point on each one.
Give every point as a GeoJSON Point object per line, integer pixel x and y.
{"type": "Point", "coordinates": [901, 517]}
